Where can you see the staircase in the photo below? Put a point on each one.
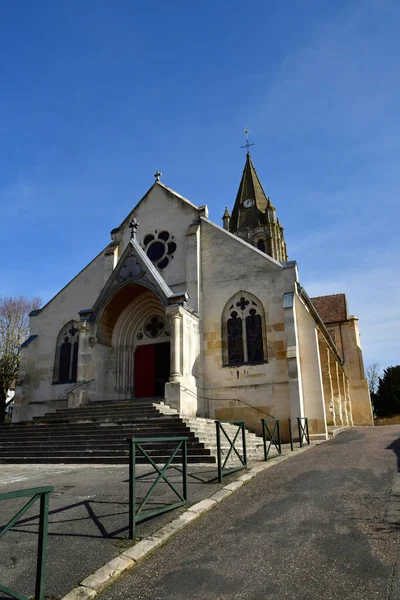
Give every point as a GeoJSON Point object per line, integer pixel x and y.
{"type": "Point", "coordinates": [97, 433]}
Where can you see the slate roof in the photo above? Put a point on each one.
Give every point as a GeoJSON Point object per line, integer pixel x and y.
{"type": "Point", "coordinates": [28, 341]}
{"type": "Point", "coordinates": [250, 187]}
{"type": "Point", "coordinates": [331, 309]}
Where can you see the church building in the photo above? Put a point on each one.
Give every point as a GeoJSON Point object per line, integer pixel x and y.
{"type": "Point", "coordinates": [212, 320]}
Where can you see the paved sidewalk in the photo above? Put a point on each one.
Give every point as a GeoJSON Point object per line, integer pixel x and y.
{"type": "Point", "coordinates": [88, 524]}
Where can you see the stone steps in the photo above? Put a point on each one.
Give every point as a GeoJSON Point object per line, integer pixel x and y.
{"type": "Point", "coordinates": [205, 430]}
{"type": "Point", "coordinates": [99, 433]}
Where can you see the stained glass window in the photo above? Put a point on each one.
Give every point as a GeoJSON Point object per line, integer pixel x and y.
{"type": "Point", "coordinates": [74, 366]}
{"type": "Point", "coordinates": [235, 339]}
{"type": "Point", "coordinates": [66, 359]}
{"type": "Point", "coordinates": [254, 337]}
{"type": "Point", "coordinates": [160, 250]}
{"type": "Point", "coordinates": [243, 330]}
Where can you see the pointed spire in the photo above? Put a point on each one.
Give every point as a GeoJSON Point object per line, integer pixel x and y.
{"type": "Point", "coordinates": [254, 215]}
{"type": "Point", "coordinates": [251, 199]}
{"type": "Point", "coordinates": [226, 218]}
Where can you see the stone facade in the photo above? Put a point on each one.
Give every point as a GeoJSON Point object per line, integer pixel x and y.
{"type": "Point", "coordinates": [213, 319]}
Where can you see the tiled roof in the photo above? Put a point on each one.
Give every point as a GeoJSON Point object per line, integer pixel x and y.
{"type": "Point", "coordinates": [331, 309]}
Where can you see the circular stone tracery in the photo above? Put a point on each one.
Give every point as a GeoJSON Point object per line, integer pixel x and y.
{"type": "Point", "coordinates": [160, 248]}
{"type": "Point", "coordinates": [154, 326]}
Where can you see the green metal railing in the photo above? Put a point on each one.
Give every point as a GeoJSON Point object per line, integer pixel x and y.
{"type": "Point", "coordinates": [290, 434]}
{"type": "Point", "coordinates": [302, 423]}
{"type": "Point", "coordinates": [136, 510]}
{"type": "Point", "coordinates": [42, 494]}
{"type": "Point", "coordinates": [222, 469]}
{"type": "Point", "coordinates": [271, 436]}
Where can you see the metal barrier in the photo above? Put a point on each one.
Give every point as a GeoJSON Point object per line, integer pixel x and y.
{"type": "Point", "coordinates": [303, 430]}
{"type": "Point", "coordinates": [271, 437]}
{"type": "Point", "coordinates": [290, 434]}
{"type": "Point", "coordinates": [136, 513]}
{"type": "Point", "coordinates": [42, 494]}
{"type": "Point", "coordinates": [222, 470]}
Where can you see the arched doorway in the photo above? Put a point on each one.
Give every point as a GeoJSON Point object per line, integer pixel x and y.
{"type": "Point", "coordinates": [135, 327]}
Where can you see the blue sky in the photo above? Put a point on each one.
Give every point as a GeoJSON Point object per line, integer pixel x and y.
{"type": "Point", "coordinates": [98, 95]}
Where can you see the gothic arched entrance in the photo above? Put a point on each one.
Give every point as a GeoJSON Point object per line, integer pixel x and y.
{"type": "Point", "coordinates": [141, 342]}
{"type": "Point", "coordinates": [134, 325]}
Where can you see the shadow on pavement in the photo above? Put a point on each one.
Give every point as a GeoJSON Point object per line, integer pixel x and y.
{"type": "Point", "coordinates": [395, 446]}
{"type": "Point", "coordinates": [88, 512]}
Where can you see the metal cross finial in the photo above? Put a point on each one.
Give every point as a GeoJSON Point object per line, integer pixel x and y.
{"type": "Point", "coordinates": [133, 226]}
{"type": "Point", "coordinates": [157, 175]}
{"type": "Point", "coordinates": [247, 144]}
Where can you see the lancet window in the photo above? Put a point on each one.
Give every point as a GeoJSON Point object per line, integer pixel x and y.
{"type": "Point", "coordinates": [66, 359]}
{"type": "Point", "coordinates": [243, 330]}
{"type": "Point", "coordinates": [261, 244]}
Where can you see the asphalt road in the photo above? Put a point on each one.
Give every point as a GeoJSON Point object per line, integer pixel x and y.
{"type": "Point", "coordinates": [88, 519]}
{"type": "Point", "coordinates": [322, 525]}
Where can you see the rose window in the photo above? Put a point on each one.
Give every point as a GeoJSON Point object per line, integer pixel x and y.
{"type": "Point", "coordinates": [154, 327]}
{"type": "Point", "coordinates": [160, 248]}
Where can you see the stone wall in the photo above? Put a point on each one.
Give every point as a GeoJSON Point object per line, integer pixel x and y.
{"type": "Point", "coordinates": [39, 394]}
{"type": "Point", "coordinates": [311, 376]}
{"type": "Point", "coordinates": [225, 269]}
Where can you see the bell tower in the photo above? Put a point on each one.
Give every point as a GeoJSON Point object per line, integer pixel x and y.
{"type": "Point", "coordinates": [254, 217]}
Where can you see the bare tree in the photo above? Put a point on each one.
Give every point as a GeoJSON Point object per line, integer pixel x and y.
{"type": "Point", "coordinates": [14, 330]}
{"type": "Point", "coordinates": [372, 374]}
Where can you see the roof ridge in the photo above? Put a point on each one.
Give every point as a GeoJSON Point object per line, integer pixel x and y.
{"type": "Point", "coordinates": [330, 295]}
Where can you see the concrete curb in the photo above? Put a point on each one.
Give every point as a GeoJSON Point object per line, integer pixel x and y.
{"type": "Point", "coordinates": [106, 575]}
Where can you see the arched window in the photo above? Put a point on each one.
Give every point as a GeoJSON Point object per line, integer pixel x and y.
{"type": "Point", "coordinates": [66, 359]}
{"type": "Point", "coordinates": [243, 330]}
{"type": "Point", "coordinates": [261, 245]}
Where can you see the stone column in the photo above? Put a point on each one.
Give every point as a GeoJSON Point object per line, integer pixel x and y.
{"type": "Point", "coordinates": [81, 396]}
{"type": "Point", "coordinates": [348, 401]}
{"type": "Point", "coordinates": [83, 350]}
{"type": "Point", "coordinates": [176, 342]}
{"type": "Point", "coordinates": [327, 382]}
{"type": "Point", "coordinates": [345, 417]}
{"type": "Point", "coordinates": [181, 389]}
{"type": "Point", "coordinates": [336, 391]}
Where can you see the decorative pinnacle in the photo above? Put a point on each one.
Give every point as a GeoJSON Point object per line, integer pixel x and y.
{"type": "Point", "coordinates": [133, 227]}
{"type": "Point", "coordinates": [157, 175]}
{"type": "Point", "coordinates": [247, 144]}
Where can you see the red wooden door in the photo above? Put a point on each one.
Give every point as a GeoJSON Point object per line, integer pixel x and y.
{"type": "Point", "coordinates": [145, 371]}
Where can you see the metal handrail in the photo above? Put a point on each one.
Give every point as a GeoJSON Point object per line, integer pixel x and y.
{"type": "Point", "coordinates": [42, 494]}
{"type": "Point", "coordinates": [255, 408]}
{"type": "Point", "coordinates": [223, 400]}
{"type": "Point", "coordinates": [79, 385]}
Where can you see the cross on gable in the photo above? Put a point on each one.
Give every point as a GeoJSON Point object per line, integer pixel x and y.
{"type": "Point", "coordinates": [133, 227]}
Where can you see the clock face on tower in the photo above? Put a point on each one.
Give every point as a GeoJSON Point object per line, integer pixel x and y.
{"type": "Point", "coordinates": [248, 202]}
